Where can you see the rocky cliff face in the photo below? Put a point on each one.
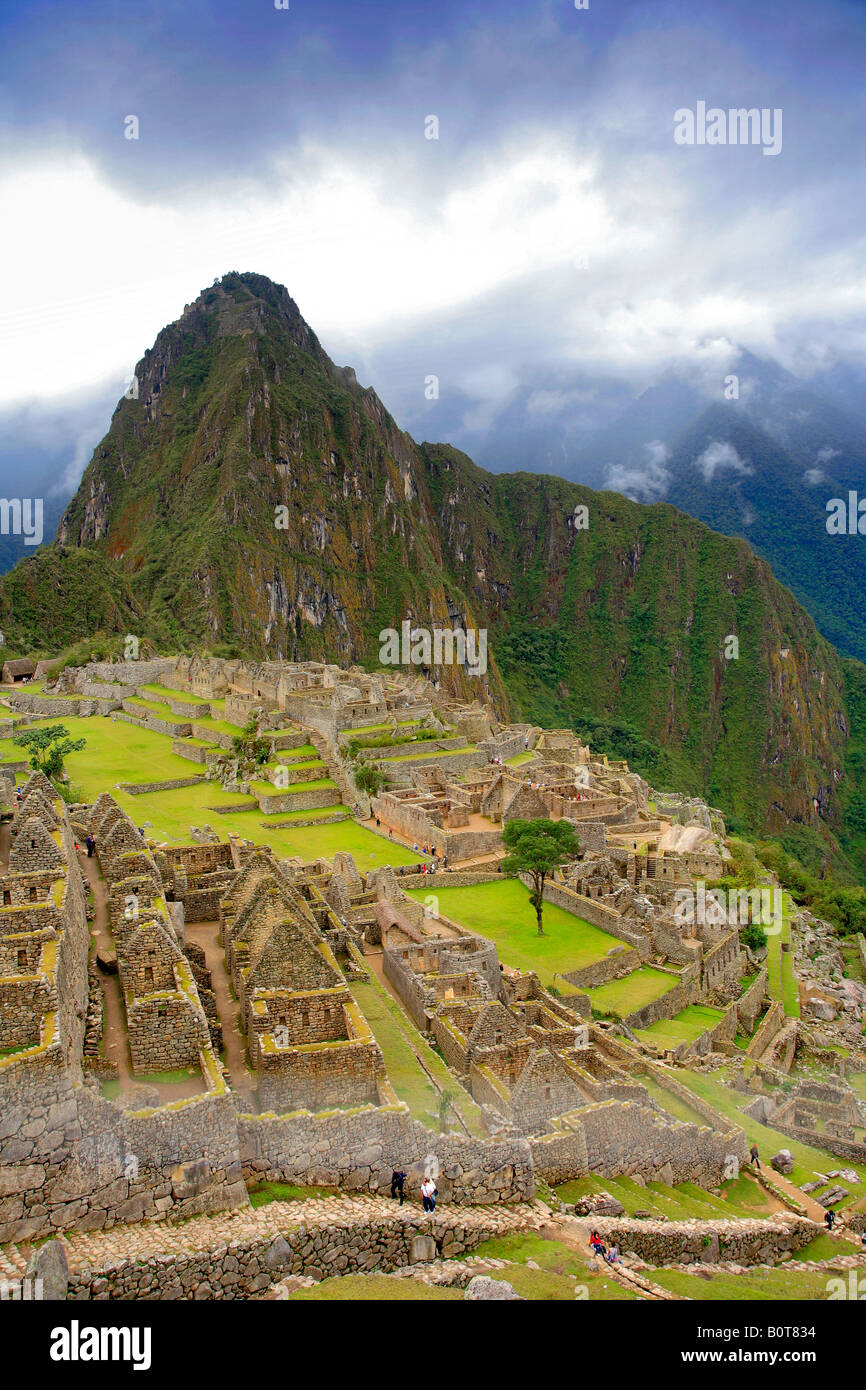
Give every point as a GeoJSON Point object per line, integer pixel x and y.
{"type": "Point", "coordinates": [255, 493]}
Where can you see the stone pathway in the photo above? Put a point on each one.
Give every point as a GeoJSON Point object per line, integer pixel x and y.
{"type": "Point", "coordinates": [100, 1250]}
{"type": "Point", "coordinates": [205, 934]}
{"type": "Point", "coordinates": [115, 1045]}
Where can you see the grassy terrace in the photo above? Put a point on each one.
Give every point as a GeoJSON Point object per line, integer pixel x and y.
{"type": "Point", "coordinates": [161, 711]}
{"type": "Point", "coordinates": [402, 1045]}
{"type": "Point", "coordinates": [220, 726]}
{"type": "Point", "coordinates": [782, 982]}
{"type": "Point", "coordinates": [503, 912]}
{"type": "Point", "coordinates": [413, 755]}
{"type": "Point", "coordinates": [115, 752]}
{"type": "Point", "coordinates": [267, 788]}
{"type": "Point", "coordinates": [808, 1161]}
{"type": "Point", "coordinates": [542, 1271]}
{"type": "Point", "coordinates": [165, 693]}
{"type": "Point", "coordinates": [118, 751]}
{"type": "Point", "coordinates": [674, 1106]}
{"type": "Point", "coordinates": [634, 991]}
{"type": "Point", "coordinates": [685, 1202]}
{"type": "Point", "coordinates": [683, 1027]}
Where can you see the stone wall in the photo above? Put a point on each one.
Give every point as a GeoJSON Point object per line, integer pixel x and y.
{"type": "Point", "coordinates": [668, 1004]}
{"type": "Point", "coordinates": [145, 788]}
{"type": "Point", "coordinates": [598, 915]}
{"type": "Point", "coordinates": [751, 1002]}
{"type": "Point", "coordinates": [612, 967]}
{"type": "Point", "coordinates": [673, 1242]}
{"type": "Point", "coordinates": [69, 1159]}
{"type": "Point", "coordinates": [296, 801]}
{"type": "Point", "coordinates": [772, 1025]}
{"type": "Point", "coordinates": [246, 1268]}
{"type": "Point", "coordinates": [359, 1149]}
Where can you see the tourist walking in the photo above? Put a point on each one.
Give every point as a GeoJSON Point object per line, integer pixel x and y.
{"type": "Point", "coordinates": [398, 1178]}
{"type": "Point", "coordinates": [753, 1154]}
{"type": "Point", "coordinates": [428, 1195]}
{"type": "Point", "coordinates": [91, 846]}
{"type": "Point", "coordinates": [830, 1218]}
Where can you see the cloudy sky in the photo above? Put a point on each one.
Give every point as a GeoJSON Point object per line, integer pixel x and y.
{"type": "Point", "coordinates": [554, 236]}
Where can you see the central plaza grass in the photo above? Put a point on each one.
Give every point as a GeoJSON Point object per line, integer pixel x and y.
{"type": "Point", "coordinates": [683, 1027]}
{"type": "Point", "coordinates": [503, 912]}
{"type": "Point", "coordinates": [632, 992]}
{"type": "Point", "coordinates": [117, 751]}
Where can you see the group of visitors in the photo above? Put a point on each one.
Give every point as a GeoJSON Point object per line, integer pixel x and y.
{"type": "Point", "coordinates": [601, 1251]}
{"type": "Point", "coordinates": [429, 1191]}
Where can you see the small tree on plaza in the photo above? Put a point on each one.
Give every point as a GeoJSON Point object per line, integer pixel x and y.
{"type": "Point", "coordinates": [536, 848]}
{"type": "Point", "coordinates": [48, 747]}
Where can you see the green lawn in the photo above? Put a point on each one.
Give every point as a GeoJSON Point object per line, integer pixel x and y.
{"type": "Point", "coordinates": [623, 997]}
{"type": "Point", "coordinates": [519, 759]}
{"type": "Point", "coordinates": [115, 752]}
{"type": "Point", "coordinates": [685, 1202]}
{"type": "Point", "coordinates": [782, 982]}
{"type": "Point", "coordinates": [401, 1044]}
{"type": "Point", "coordinates": [118, 751]}
{"type": "Point", "coordinates": [783, 1285]}
{"type": "Point", "coordinates": [683, 1027]}
{"type": "Point", "coordinates": [503, 912]}
{"type": "Point", "coordinates": [374, 1288]}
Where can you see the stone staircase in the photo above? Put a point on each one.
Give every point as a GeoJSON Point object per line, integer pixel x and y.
{"type": "Point", "coordinates": [97, 1256]}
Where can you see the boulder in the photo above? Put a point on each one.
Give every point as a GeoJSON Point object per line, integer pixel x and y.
{"type": "Point", "coordinates": [783, 1162]}
{"type": "Point", "coordinates": [107, 961]}
{"type": "Point", "coordinates": [421, 1249]}
{"type": "Point", "coordinates": [607, 1206]}
{"type": "Point", "coordinates": [49, 1265]}
{"type": "Point", "coordinates": [482, 1288]}
{"type": "Point", "coordinates": [277, 1255]}
{"type": "Point", "coordinates": [832, 1196]}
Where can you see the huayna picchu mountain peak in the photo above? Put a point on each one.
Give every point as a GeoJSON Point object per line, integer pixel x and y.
{"type": "Point", "coordinates": [255, 494]}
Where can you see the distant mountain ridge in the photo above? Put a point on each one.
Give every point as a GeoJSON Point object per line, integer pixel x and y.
{"type": "Point", "coordinates": [256, 494]}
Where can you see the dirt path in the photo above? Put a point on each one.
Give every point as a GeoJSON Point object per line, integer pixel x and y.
{"type": "Point", "coordinates": [205, 934]}
{"type": "Point", "coordinates": [812, 1209]}
{"type": "Point", "coordinates": [115, 1044]}
{"type": "Point", "coordinates": [5, 844]}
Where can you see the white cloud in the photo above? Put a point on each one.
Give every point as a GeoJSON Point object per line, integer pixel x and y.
{"type": "Point", "coordinates": [720, 455]}
{"type": "Point", "coordinates": [647, 484]}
